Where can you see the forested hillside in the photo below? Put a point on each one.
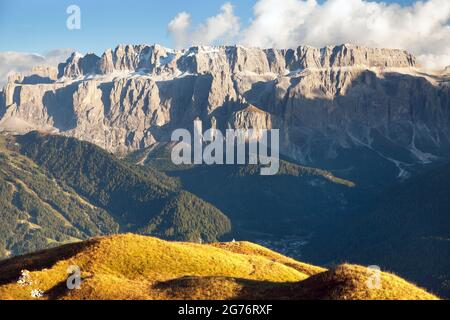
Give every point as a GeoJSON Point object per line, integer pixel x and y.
{"type": "Point", "coordinates": [56, 190]}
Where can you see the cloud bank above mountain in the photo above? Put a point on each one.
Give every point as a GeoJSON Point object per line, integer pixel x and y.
{"type": "Point", "coordinates": [11, 62]}
{"type": "Point", "coordinates": [223, 27]}
{"type": "Point", "coordinates": [422, 28]}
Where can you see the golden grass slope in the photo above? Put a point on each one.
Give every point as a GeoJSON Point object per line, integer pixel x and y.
{"type": "Point", "coordinates": [138, 267]}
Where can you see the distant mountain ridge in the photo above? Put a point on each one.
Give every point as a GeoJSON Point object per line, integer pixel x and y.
{"type": "Point", "coordinates": [157, 59]}
{"type": "Point", "coordinates": [325, 101]}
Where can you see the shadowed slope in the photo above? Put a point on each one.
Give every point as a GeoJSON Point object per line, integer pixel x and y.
{"type": "Point", "coordinates": [141, 202]}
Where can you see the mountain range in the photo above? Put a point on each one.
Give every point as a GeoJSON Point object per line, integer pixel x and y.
{"type": "Point", "coordinates": [364, 142]}
{"type": "Point", "coordinates": [325, 101]}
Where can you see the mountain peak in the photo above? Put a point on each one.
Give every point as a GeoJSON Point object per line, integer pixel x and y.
{"type": "Point", "coordinates": [149, 58]}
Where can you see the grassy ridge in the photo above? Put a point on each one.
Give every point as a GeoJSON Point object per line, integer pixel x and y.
{"type": "Point", "coordinates": [137, 267]}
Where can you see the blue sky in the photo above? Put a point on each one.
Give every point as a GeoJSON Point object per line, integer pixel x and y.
{"type": "Point", "coordinates": [40, 26]}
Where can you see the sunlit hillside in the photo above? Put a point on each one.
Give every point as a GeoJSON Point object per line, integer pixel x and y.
{"type": "Point", "coordinates": [138, 267]}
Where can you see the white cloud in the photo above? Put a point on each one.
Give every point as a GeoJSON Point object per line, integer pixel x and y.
{"type": "Point", "coordinates": [422, 28]}
{"type": "Point", "coordinates": [12, 62]}
{"type": "Point", "coordinates": [223, 28]}
{"type": "Point", "coordinates": [178, 29]}
{"type": "Point", "coordinates": [434, 61]}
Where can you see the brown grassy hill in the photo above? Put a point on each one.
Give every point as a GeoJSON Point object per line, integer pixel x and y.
{"type": "Point", "coordinates": [138, 267]}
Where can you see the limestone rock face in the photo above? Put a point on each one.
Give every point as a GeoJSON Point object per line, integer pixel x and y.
{"type": "Point", "coordinates": [200, 60]}
{"type": "Point", "coordinates": [78, 65]}
{"type": "Point", "coordinates": [251, 118]}
{"type": "Point", "coordinates": [324, 101]}
{"type": "Point", "coordinates": [348, 56]}
{"type": "Point", "coordinates": [45, 72]}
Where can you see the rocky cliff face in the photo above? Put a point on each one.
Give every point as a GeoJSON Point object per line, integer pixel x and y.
{"type": "Point", "coordinates": [325, 101]}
